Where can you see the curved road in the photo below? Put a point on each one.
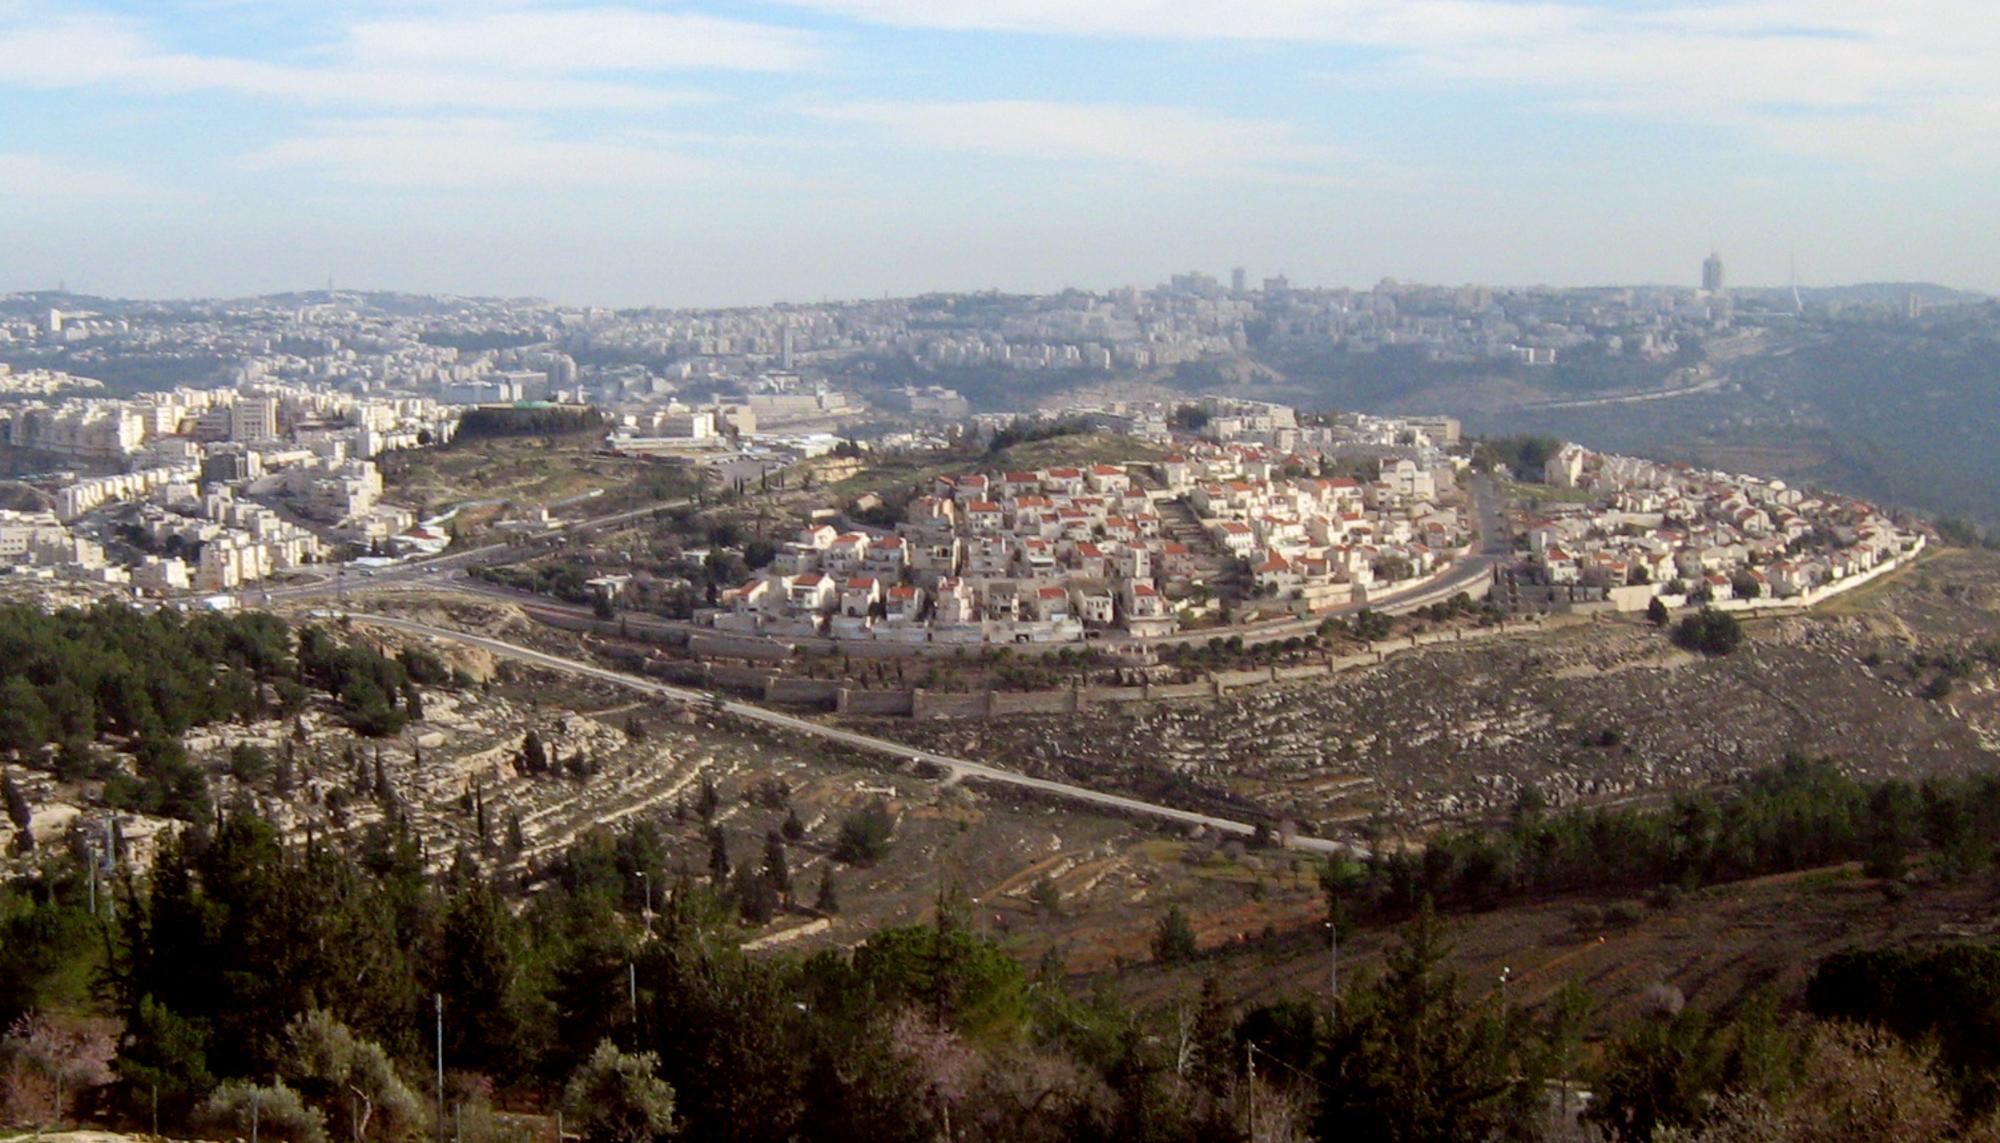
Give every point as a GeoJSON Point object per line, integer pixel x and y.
{"type": "Point", "coordinates": [1464, 574]}
{"type": "Point", "coordinates": [448, 561]}
{"type": "Point", "coordinates": [957, 767]}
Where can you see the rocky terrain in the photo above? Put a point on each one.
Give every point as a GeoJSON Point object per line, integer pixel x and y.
{"type": "Point", "coordinates": [1586, 713]}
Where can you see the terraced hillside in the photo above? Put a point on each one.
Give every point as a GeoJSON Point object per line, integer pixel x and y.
{"type": "Point", "coordinates": [1586, 713]}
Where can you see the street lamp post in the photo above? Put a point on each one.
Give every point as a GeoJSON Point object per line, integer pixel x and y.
{"type": "Point", "coordinates": [438, 998]}
{"type": "Point", "coordinates": [1333, 968]}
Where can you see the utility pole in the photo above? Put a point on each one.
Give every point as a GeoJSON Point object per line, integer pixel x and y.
{"type": "Point", "coordinates": [632, 986]}
{"type": "Point", "coordinates": [1333, 968]}
{"type": "Point", "coordinates": [1250, 1088]}
{"type": "Point", "coordinates": [439, 1000]}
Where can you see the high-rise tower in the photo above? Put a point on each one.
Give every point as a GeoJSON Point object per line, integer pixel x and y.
{"type": "Point", "coordinates": [1711, 273]}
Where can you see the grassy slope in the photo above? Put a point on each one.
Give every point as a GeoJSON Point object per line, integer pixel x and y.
{"type": "Point", "coordinates": [1073, 451]}
{"type": "Point", "coordinates": [522, 469]}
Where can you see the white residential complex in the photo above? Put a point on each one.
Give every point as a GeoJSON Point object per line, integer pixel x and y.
{"type": "Point", "coordinates": [1062, 553]}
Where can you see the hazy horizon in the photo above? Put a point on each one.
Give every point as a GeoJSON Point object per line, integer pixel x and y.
{"type": "Point", "coordinates": [711, 154]}
{"type": "Point", "coordinates": [72, 290]}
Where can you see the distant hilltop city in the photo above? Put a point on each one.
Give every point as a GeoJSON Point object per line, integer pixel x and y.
{"type": "Point", "coordinates": [211, 444]}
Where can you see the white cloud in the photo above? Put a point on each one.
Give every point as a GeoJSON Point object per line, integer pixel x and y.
{"type": "Point", "coordinates": [583, 40]}
{"type": "Point", "coordinates": [1151, 136]}
{"type": "Point", "coordinates": [49, 180]}
{"type": "Point", "coordinates": [1911, 79]}
{"type": "Point", "coordinates": [486, 153]}
{"type": "Point", "coordinates": [527, 60]}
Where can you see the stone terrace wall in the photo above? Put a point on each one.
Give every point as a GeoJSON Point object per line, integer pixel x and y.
{"type": "Point", "coordinates": [948, 704]}
{"type": "Point", "coordinates": [851, 701]}
{"type": "Point", "coordinates": [802, 692]}
{"type": "Point", "coordinates": [1031, 702]}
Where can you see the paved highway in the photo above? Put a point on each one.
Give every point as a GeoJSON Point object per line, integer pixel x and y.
{"type": "Point", "coordinates": [957, 767]}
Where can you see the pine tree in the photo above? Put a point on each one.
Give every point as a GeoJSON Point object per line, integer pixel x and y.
{"type": "Point", "coordinates": [827, 900]}
{"type": "Point", "coordinates": [534, 757]}
{"type": "Point", "coordinates": [1213, 1039]}
{"type": "Point", "coordinates": [794, 829]}
{"type": "Point", "coordinates": [1414, 1060]}
{"type": "Point", "coordinates": [477, 974]}
{"type": "Point", "coordinates": [708, 801]}
{"type": "Point", "coordinates": [718, 856]}
{"type": "Point", "coordinates": [756, 900]}
{"type": "Point", "coordinates": [1173, 937]}
{"type": "Point", "coordinates": [776, 871]}
{"type": "Point", "coordinates": [515, 842]}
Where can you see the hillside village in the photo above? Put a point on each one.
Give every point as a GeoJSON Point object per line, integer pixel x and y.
{"type": "Point", "coordinates": [1065, 553]}
{"type": "Point", "coordinates": [1258, 508]}
{"type": "Point", "coordinates": [1687, 535]}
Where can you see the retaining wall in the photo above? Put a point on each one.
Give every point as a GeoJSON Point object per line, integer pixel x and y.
{"type": "Point", "coordinates": [852, 701]}
{"type": "Point", "coordinates": [739, 678]}
{"type": "Point", "coordinates": [947, 704]}
{"type": "Point", "coordinates": [1304, 671]}
{"type": "Point", "coordinates": [724, 647]}
{"type": "Point", "coordinates": [802, 692]}
{"type": "Point", "coordinates": [1031, 702]}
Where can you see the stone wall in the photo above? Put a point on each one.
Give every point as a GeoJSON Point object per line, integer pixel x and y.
{"type": "Point", "coordinates": [748, 679]}
{"type": "Point", "coordinates": [802, 692]}
{"type": "Point", "coordinates": [1223, 680]}
{"type": "Point", "coordinates": [725, 647]}
{"type": "Point", "coordinates": [852, 701]}
{"type": "Point", "coordinates": [947, 704]}
{"type": "Point", "coordinates": [1031, 702]}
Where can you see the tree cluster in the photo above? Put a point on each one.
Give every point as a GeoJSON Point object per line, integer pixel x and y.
{"type": "Point", "coordinates": [1710, 632]}
{"type": "Point", "coordinates": [1799, 815]}
{"type": "Point", "coordinates": [72, 678]}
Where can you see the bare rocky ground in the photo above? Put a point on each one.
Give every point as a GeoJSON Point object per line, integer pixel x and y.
{"type": "Point", "coordinates": [1589, 713]}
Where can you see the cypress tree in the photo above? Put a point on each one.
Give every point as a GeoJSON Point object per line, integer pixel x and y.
{"type": "Point", "coordinates": [776, 870]}
{"type": "Point", "coordinates": [718, 855]}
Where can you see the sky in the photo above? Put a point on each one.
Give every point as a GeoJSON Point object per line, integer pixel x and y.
{"type": "Point", "coordinates": [709, 154]}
